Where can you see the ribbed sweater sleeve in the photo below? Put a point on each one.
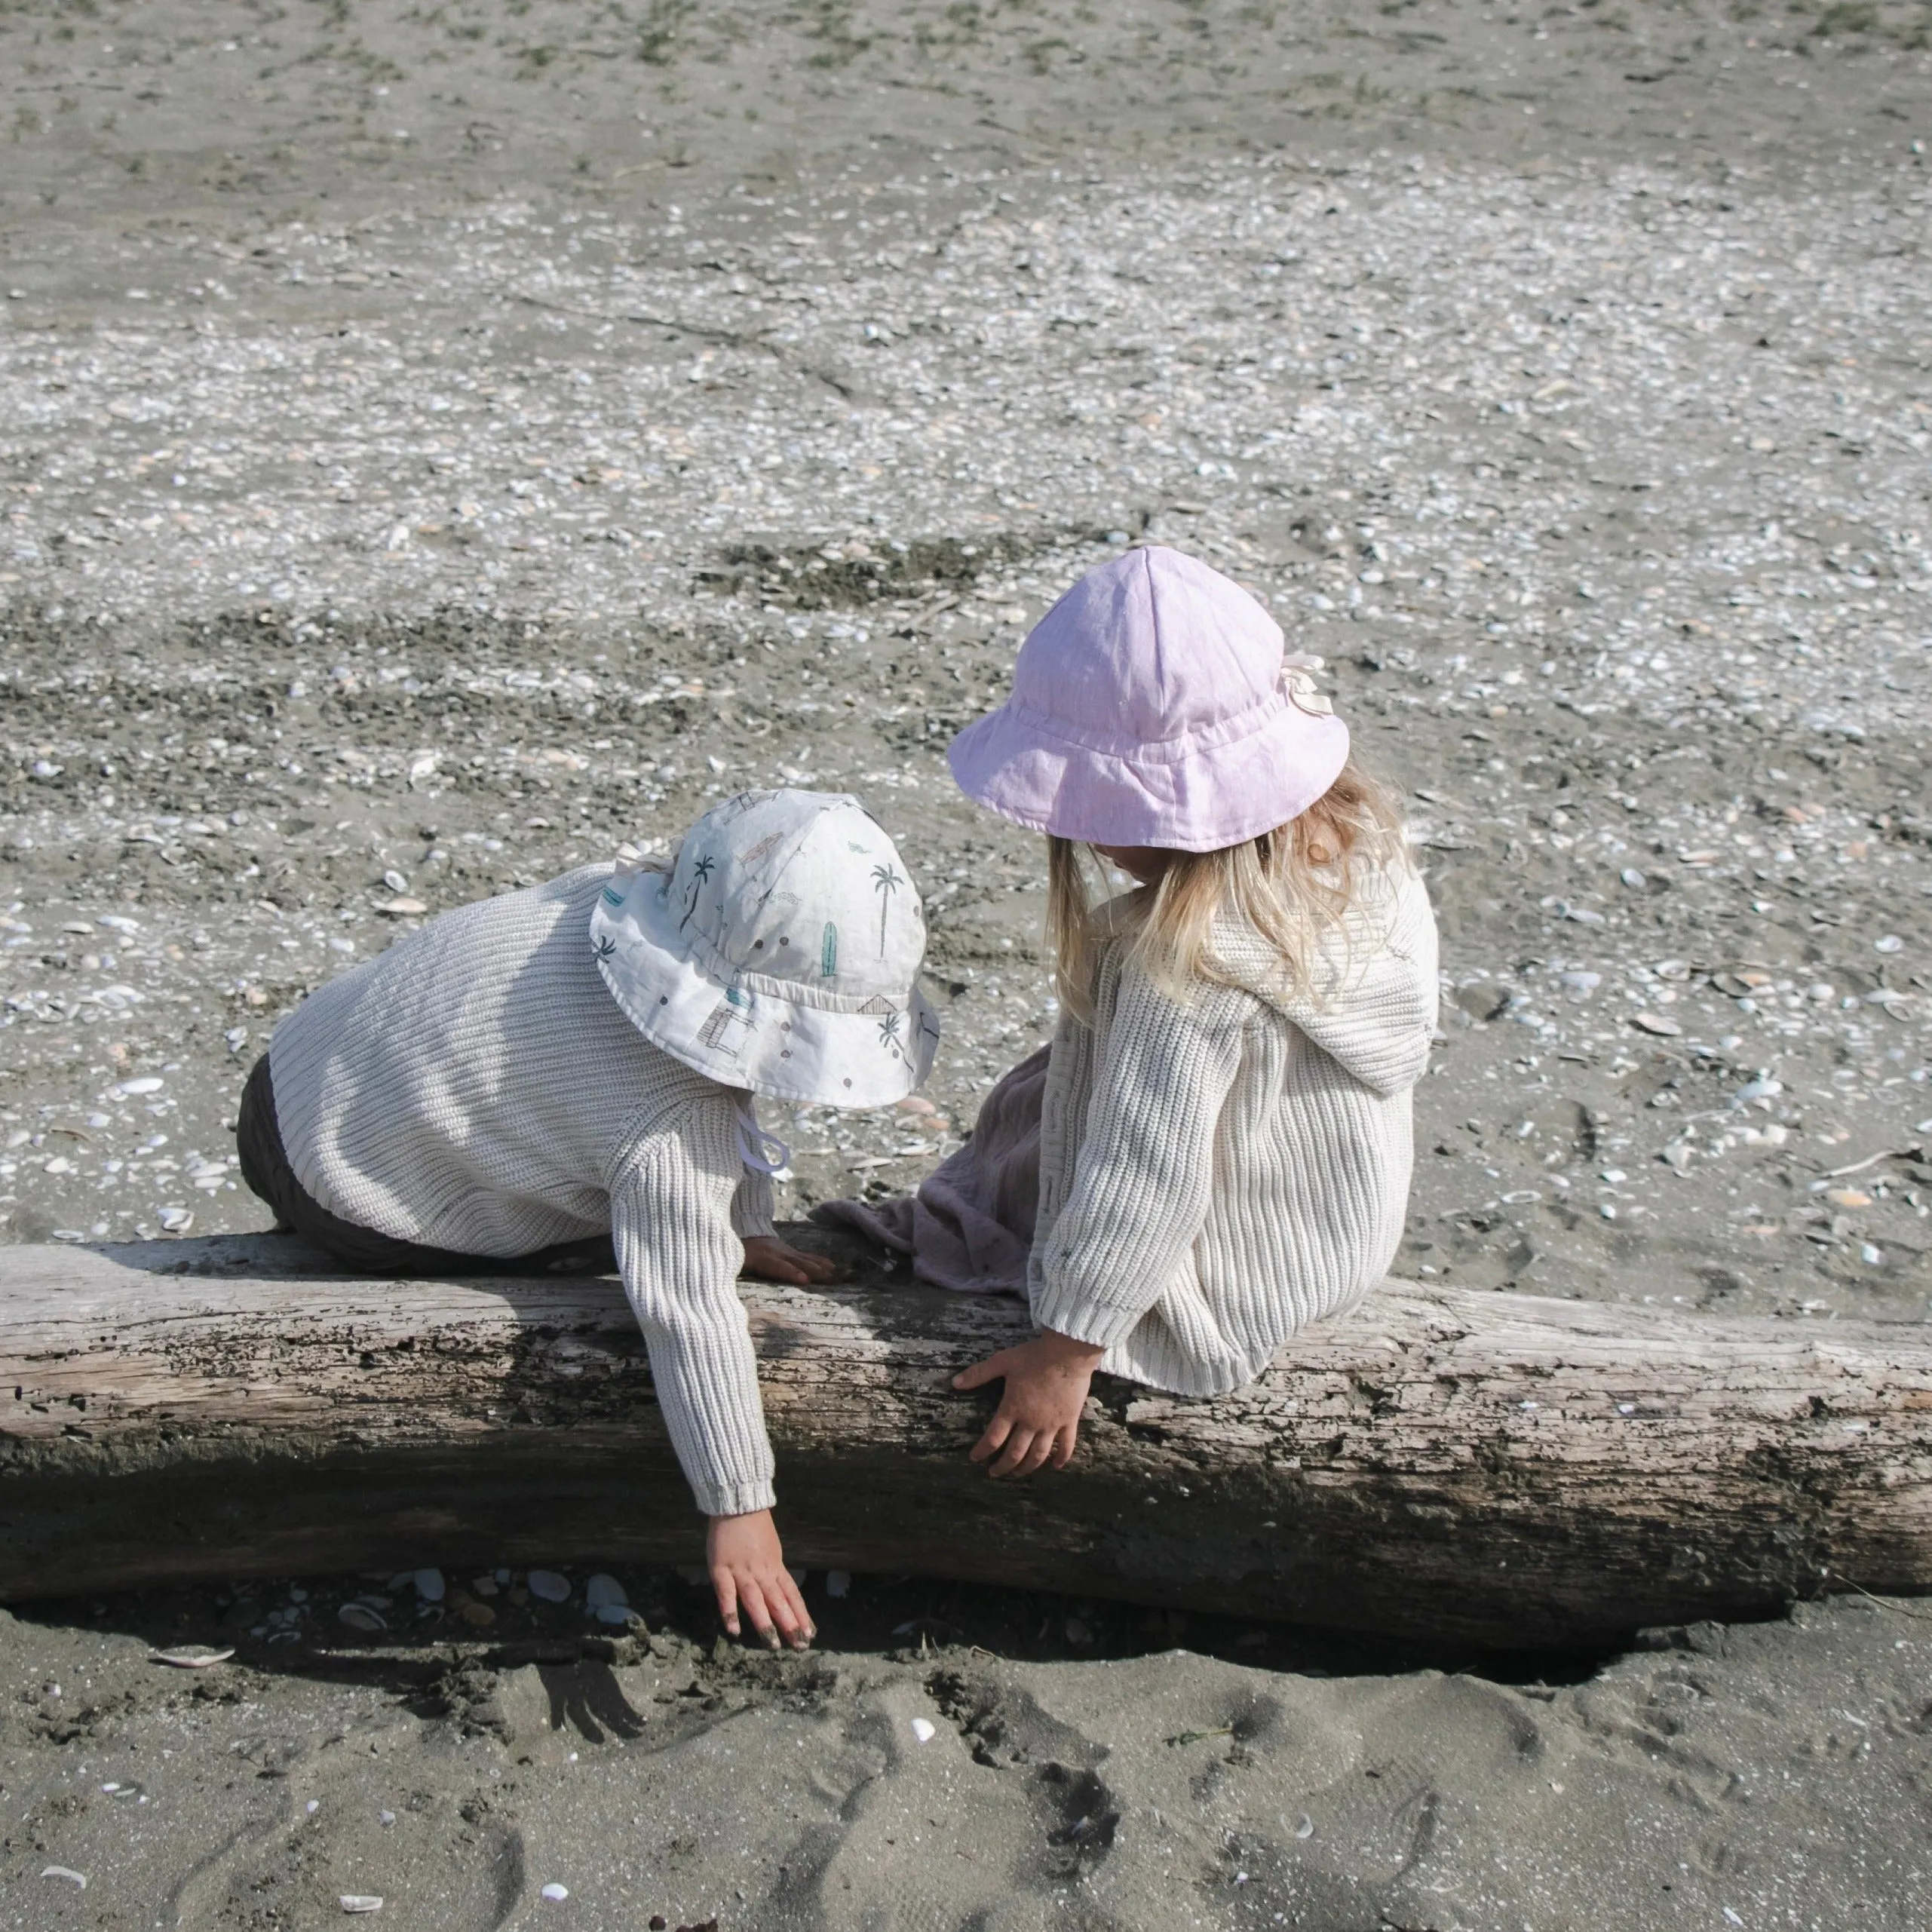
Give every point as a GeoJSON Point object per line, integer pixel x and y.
{"type": "Point", "coordinates": [671, 1215]}
{"type": "Point", "coordinates": [1145, 1176]}
{"type": "Point", "coordinates": [751, 1207]}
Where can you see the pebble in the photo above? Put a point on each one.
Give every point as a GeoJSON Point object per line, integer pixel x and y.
{"type": "Point", "coordinates": [604, 1592]}
{"type": "Point", "coordinates": [147, 1083]}
{"type": "Point", "coordinates": [548, 1585]}
{"type": "Point", "coordinates": [394, 881]}
{"type": "Point", "coordinates": [1891, 942]}
{"type": "Point", "coordinates": [555, 1893]}
{"type": "Point", "coordinates": [924, 1730]}
{"type": "Point", "coordinates": [479, 1616]}
{"type": "Point", "coordinates": [837, 1583]}
{"type": "Point", "coordinates": [429, 1585]}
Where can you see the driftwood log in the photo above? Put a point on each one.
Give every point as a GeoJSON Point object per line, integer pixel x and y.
{"type": "Point", "coordinates": [1492, 1468]}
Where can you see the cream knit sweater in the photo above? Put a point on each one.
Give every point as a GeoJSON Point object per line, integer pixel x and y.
{"type": "Point", "coordinates": [477, 1088]}
{"type": "Point", "coordinates": [1214, 1175]}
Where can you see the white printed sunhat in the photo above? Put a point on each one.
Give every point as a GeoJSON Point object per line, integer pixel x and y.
{"type": "Point", "coordinates": [781, 952]}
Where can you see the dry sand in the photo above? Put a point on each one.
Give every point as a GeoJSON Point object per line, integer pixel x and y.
{"type": "Point", "coordinates": [439, 443]}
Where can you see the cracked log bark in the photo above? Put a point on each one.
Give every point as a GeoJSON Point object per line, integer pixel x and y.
{"type": "Point", "coordinates": [1489, 1468]}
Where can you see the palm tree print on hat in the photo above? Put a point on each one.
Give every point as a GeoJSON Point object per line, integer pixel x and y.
{"type": "Point", "coordinates": [888, 1031]}
{"type": "Point", "coordinates": [885, 881]}
{"type": "Point", "coordinates": [604, 946]}
{"type": "Point", "coordinates": [699, 873]}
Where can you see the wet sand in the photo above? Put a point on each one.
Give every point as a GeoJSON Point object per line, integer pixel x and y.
{"type": "Point", "coordinates": [439, 447]}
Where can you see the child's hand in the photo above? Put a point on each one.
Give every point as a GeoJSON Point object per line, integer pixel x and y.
{"type": "Point", "coordinates": [748, 1572]}
{"type": "Point", "coordinates": [773, 1260]}
{"type": "Point", "coordinates": [1038, 1420]}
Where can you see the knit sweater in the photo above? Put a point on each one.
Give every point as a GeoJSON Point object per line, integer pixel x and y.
{"type": "Point", "coordinates": [1216, 1174]}
{"type": "Point", "coordinates": [477, 1088]}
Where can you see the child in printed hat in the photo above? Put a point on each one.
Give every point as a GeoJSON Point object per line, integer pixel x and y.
{"type": "Point", "coordinates": [1225, 1125]}
{"type": "Point", "coordinates": [572, 1066]}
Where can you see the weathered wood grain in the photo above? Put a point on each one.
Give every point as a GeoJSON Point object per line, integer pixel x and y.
{"type": "Point", "coordinates": [1494, 1468]}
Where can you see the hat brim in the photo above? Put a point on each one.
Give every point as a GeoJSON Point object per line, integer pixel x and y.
{"type": "Point", "coordinates": [1195, 799]}
{"type": "Point", "coordinates": [755, 1039]}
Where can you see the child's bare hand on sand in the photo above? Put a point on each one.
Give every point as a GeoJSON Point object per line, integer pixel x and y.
{"type": "Point", "coordinates": [1038, 1422]}
{"type": "Point", "coordinates": [772, 1260]}
{"type": "Point", "coordinates": [747, 1566]}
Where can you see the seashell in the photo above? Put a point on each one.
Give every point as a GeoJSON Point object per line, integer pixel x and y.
{"type": "Point", "coordinates": [360, 1616]}
{"type": "Point", "coordinates": [555, 1893]}
{"type": "Point", "coordinates": [177, 1220]}
{"type": "Point", "coordinates": [190, 1657]}
{"type": "Point", "coordinates": [64, 1871]}
{"type": "Point", "coordinates": [1655, 1022]}
{"type": "Point", "coordinates": [358, 1902]}
{"type": "Point", "coordinates": [402, 907]}
{"type": "Point", "coordinates": [549, 1586]}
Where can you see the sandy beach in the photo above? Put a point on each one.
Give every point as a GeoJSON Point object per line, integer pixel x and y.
{"type": "Point", "coordinates": [440, 445]}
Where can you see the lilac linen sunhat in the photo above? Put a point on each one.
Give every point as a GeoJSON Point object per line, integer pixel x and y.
{"type": "Point", "coordinates": [1153, 706]}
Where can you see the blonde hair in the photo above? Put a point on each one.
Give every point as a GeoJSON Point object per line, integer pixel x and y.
{"type": "Point", "coordinates": [1293, 887]}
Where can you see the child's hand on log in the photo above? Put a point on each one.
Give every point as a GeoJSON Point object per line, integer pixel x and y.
{"type": "Point", "coordinates": [748, 1572]}
{"type": "Point", "coordinates": [772, 1260]}
{"type": "Point", "coordinates": [1038, 1422]}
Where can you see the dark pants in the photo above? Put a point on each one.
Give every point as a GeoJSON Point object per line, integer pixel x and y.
{"type": "Point", "coordinates": [264, 1166]}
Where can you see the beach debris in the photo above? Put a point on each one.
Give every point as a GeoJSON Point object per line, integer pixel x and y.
{"type": "Point", "coordinates": [190, 1656]}
{"type": "Point", "coordinates": [1305, 1827]}
{"type": "Point", "coordinates": [924, 1730]}
{"type": "Point", "coordinates": [358, 1902]}
{"type": "Point", "coordinates": [1656, 1022]}
{"type": "Point", "coordinates": [66, 1871]}
{"type": "Point", "coordinates": [837, 1583]}
{"type": "Point", "coordinates": [363, 1616]}
{"type": "Point", "coordinates": [429, 1584]}
{"type": "Point", "coordinates": [548, 1585]}
{"type": "Point", "coordinates": [146, 1083]}
{"type": "Point", "coordinates": [1199, 1737]}
{"type": "Point", "coordinates": [555, 1893]}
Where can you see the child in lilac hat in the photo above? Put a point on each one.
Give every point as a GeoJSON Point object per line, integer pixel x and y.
{"type": "Point", "coordinates": [1225, 1126]}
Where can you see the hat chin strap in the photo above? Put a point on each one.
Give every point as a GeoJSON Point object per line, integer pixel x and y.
{"type": "Point", "coordinates": [762, 1153]}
